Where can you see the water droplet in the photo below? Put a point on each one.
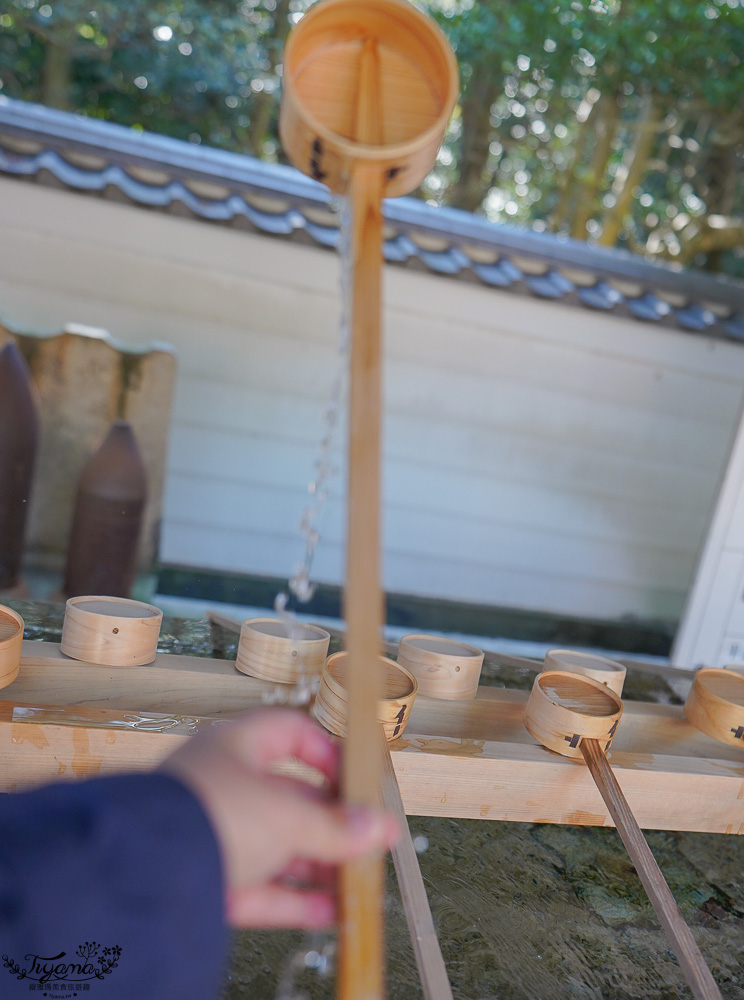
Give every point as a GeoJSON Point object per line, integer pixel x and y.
{"type": "Point", "coordinates": [315, 955]}
{"type": "Point", "coordinates": [302, 588]}
{"type": "Point", "coordinates": [420, 844]}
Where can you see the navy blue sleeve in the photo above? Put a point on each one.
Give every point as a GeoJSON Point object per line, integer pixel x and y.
{"type": "Point", "coordinates": [112, 889]}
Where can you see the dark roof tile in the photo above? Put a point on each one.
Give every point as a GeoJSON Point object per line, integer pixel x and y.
{"type": "Point", "coordinates": [500, 275]}
{"type": "Point", "coordinates": [600, 296]}
{"type": "Point", "coordinates": [397, 249]}
{"type": "Point", "coordinates": [443, 262]}
{"type": "Point", "coordinates": [695, 318]}
{"type": "Point", "coordinates": [156, 172]}
{"type": "Point", "coordinates": [734, 327]}
{"type": "Point", "coordinates": [550, 286]}
{"type": "Point", "coordinates": [326, 236]}
{"type": "Point", "coordinates": [649, 307]}
{"type": "Point", "coordinates": [275, 223]}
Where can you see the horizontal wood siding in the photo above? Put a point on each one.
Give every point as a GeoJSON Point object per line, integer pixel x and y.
{"type": "Point", "coordinates": [537, 455]}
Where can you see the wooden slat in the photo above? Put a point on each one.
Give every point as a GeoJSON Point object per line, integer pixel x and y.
{"type": "Point", "coordinates": [214, 417]}
{"type": "Point", "coordinates": [429, 961]}
{"type": "Point", "coordinates": [622, 427]}
{"type": "Point", "coordinates": [598, 549]}
{"type": "Point", "coordinates": [206, 409]}
{"type": "Point", "coordinates": [275, 458]}
{"type": "Point", "coordinates": [423, 340]}
{"type": "Point", "coordinates": [559, 588]}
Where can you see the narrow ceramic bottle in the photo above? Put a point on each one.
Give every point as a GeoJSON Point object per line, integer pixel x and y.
{"type": "Point", "coordinates": [107, 520]}
{"type": "Point", "coordinates": [19, 435]}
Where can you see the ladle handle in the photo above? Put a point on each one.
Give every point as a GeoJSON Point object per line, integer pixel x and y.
{"type": "Point", "coordinates": [678, 934]}
{"type": "Point", "coordinates": [362, 883]}
{"type": "Point", "coordinates": [435, 983]}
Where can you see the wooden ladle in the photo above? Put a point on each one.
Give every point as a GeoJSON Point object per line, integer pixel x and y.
{"type": "Point", "coordinates": [368, 89]}
{"type": "Point", "coordinates": [578, 717]}
{"type": "Point", "coordinates": [11, 640]}
{"type": "Point", "coordinates": [715, 705]}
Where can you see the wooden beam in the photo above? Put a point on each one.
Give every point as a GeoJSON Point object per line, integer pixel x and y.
{"type": "Point", "coordinates": [171, 683]}
{"type": "Point", "coordinates": [471, 759]}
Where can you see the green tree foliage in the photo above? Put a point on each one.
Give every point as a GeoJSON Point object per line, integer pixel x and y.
{"type": "Point", "coordinates": [614, 120]}
{"type": "Point", "coordinates": [618, 121]}
{"type": "Point", "coordinates": [204, 70]}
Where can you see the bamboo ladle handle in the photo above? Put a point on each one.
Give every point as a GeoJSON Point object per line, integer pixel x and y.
{"type": "Point", "coordinates": [367, 92]}
{"type": "Point", "coordinates": [435, 983]}
{"type": "Point", "coordinates": [678, 934]}
{"type": "Point", "coordinates": [361, 939]}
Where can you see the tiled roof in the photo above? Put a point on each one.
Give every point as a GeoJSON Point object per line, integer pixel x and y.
{"type": "Point", "coordinates": [155, 172]}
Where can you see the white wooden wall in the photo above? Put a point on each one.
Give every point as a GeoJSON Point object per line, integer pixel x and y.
{"type": "Point", "coordinates": [711, 629]}
{"type": "Point", "coordinates": [537, 455]}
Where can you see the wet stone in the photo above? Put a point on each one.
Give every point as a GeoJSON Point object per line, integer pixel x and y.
{"type": "Point", "coordinates": [42, 620]}
{"type": "Point", "coordinates": [188, 636]}
{"type": "Point", "coordinates": [535, 911]}
{"type": "Point", "coordinates": [497, 673]}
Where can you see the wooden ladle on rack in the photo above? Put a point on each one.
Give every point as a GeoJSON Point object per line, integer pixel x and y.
{"type": "Point", "coordinates": [715, 705]}
{"type": "Point", "coordinates": [578, 717]}
{"type": "Point", "coordinates": [368, 89]}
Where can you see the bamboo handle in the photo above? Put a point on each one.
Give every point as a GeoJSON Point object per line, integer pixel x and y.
{"type": "Point", "coordinates": [361, 946]}
{"type": "Point", "coordinates": [678, 934]}
{"type": "Point", "coordinates": [429, 961]}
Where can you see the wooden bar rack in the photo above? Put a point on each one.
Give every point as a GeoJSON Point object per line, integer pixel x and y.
{"type": "Point", "coordinates": [473, 759]}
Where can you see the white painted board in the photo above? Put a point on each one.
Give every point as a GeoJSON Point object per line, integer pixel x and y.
{"type": "Point", "coordinates": [537, 455]}
{"type": "Point", "coordinates": [711, 628]}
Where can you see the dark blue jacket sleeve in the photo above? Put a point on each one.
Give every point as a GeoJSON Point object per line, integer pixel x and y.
{"type": "Point", "coordinates": [111, 888]}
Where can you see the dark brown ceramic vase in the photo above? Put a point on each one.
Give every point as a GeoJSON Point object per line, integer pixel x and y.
{"type": "Point", "coordinates": [19, 435]}
{"type": "Point", "coordinates": [106, 524]}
